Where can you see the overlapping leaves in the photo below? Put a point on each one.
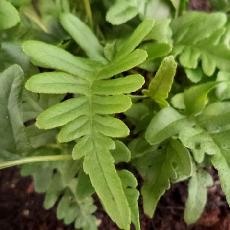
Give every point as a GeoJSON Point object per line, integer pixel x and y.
{"type": "Point", "coordinates": [123, 11]}
{"type": "Point", "coordinates": [160, 167]}
{"type": "Point", "coordinates": [198, 37]}
{"type": "Point", "coordinates": [87, 118]}
{"type": "Point", "coordinates": [179, 141]}
{"type": "Point", "coordinates": [206, 133]}
{"type": "Point", "coordinates": [161, 84]}
{"type": "Point", "coordinates": [61, 182]}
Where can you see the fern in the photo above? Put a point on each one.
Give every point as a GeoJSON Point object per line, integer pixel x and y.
{"type": "Point", "coordinates": [198, 37]}
{"type": "Point", "coordinates": [160, 167]}
{"type": "Point", "coordinates": [129, 184]}
{"type": "Point", "coordinates": [15, 143]}
{"type": "Point", "coordinates": [201, 128]}
{"type": "Point", "coordinates": [205, 134]}
{"type": "Point", "coordinates": [88, 118]}
{"type": "Point", "coordinates": [9, 16]}
{"type": "Point", "coordinates": [59, 183]}
{"type": "Point", "coordinates": [161, 84]}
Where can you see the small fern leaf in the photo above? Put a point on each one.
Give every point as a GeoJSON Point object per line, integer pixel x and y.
{"type": "Point", "coordinates": [110, 126]}
{"type": "Point", "coordinates": [121, 153]}
{"type": "Point", "coordinates": [119, 85]}
{"type": "Point", "coordinates": [133, 41]}
{"type": "Point", "coordinates": [62, 113]}
{"type": "Point", "coordinates": [12, 128]}
{"type": "Point", "coordinates": [9, 16]}
{"type": "Point", "coordinates": [166, 123]}
{"type": "Point", "coordinates": [50, 56]}
{"type": "Point", "coordinates": [122, 64]}
{"type": "Point", "coordinates": [83, 35]}
{"type": "Point", "coordinates": [129, 183]}
{"type": "Point", "coordinates": [161, 84]}
{"type": "Point", "coordinates": [99, 164]}
{"type": "Point", "coordinates": [74, 129]}
{"type": "Point", "coordinates": [110, 104]}
{"type": "Point", "coordinates": [159, 167]}
{"type": "Point", "coordinates": [56, 83]}
{"type": "Point", "coordinates": [198, 38]}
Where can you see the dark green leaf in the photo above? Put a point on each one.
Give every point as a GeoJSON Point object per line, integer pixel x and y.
{"type": "Point", "coordinates": [12, 127]}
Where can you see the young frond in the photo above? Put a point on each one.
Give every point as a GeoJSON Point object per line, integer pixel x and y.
{"type": "Point", "coordinates": [88, 117]}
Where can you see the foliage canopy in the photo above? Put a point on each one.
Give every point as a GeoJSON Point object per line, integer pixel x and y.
{"type": "Point", "coordinates": [87, 87]}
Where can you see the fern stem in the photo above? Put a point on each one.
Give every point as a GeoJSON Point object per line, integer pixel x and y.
{"type": "Point", "coordinates": [137, 96]}
{"type": "Point", "coordinates": [7, 164]}
{"type": "Point", "coordinates": [88, 12]}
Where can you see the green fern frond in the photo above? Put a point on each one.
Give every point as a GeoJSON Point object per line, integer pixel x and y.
{"type": "Point", "coordinates": [60, 183]}
{"type": "Point", "coordinates": [198, 38]}
{"type": "Point", "coordinates": [206, 135]}
{"type": "Point", "coordinates": [88, 118]}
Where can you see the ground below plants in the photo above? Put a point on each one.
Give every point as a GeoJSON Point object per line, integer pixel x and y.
{"type": "Point", "coordinates": [21, 208]}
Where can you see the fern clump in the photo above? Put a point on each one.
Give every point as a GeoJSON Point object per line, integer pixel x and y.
{"type": "Point", "coordinates": [99, 96]}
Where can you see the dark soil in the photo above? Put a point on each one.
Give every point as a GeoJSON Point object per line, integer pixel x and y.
{"type": "Point", "coordinates": [21, 209]}
{"type": "Point", "coordinates": [201, 5]}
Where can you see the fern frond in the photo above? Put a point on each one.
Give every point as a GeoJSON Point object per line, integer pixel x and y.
{"type": "Point", "coordinates": [88, 118]}
{"type": "Point", "coordinates": [198, 38]}
{"type": "Point", "coordinates": [159, 168]}
{"type": "Point", "coordinates": [205, 134]}
{"type": "Point", "coordinates": [59, 182]}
